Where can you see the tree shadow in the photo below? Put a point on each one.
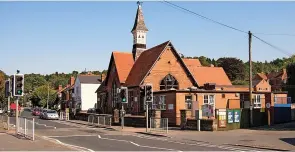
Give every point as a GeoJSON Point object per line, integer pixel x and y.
{"type": "Point", "coordinates": [277, 127]}
{"type": "Point", "coordinates": [290, 141]}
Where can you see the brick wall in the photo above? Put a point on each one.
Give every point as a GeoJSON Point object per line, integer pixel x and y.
{"type": "Point", "coordinates": [168, 63]}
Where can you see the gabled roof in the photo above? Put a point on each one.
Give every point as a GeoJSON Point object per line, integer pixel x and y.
{"type": "Point", "coordinates": [101, 87]}
{"type": "Point", "coordinates": [144, 63]}
{"type": "Point", "coordinates": [205, 75]}
{"type": "Point", "coordinates": [123, 62]}
{"type": "Point", "coordinates": [262, 76]}
{"type": "Point", "coordinates": [147, 60]}
{"type": "Point", "coordinates": [139, 20]}
{"type": "Point", "coordinates": [90, 79]}
{"type": "Point", "coordinates": [192, 62]}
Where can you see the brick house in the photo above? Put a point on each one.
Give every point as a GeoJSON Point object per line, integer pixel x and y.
{"type": "Point", "coordinates": [178, 83]}
{"type": "Point", "coordinates": [65, 94]}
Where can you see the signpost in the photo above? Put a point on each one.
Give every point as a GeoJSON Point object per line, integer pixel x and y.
{"type": "Point", "coordinates": [268, 113]}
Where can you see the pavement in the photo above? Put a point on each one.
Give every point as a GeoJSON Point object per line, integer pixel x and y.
{"type": "Point", "coordinates": [78, 135]}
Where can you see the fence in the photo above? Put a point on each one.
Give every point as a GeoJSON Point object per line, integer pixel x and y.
{"type": "Point", "coordinates": [100, 120]}
{"type": "Point", "coordinates": [26, 127]}
{"type": "Point", "coordinates": [159, 125]}
{"type": "Point", "coordinates": [4, 122]}
{"type": "Point", "coordinates": [64, 116]}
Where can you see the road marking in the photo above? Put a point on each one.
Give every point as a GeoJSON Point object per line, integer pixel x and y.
{"type": "Point", "coordinates": [138, 144]}
{"type": "Point", "coordinates": [71, 136]}
{"type": "Point", "coordinates": [79, 148]}
{"type": "Point", "coordinates": [44, 125]}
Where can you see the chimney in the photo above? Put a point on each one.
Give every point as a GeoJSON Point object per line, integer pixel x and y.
{"type": "Point", "coordinates": [72, 81]}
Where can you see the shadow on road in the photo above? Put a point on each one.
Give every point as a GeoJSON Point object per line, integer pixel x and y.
{"type": "Point", "coordinates": [277, 127]}
{"type": "Point", "coordinates": [290, 141]}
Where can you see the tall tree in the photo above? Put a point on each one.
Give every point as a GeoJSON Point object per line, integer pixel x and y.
{"type": "Point", "coordinates": [2, 88]}
{"type": "Point", "coordinates": [291, 81]}
{"type": "Point", "coordinates": [41, 95]}
{"type": "Point", "coordinates": [233, 67]}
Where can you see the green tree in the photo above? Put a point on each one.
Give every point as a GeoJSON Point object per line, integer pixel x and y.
{"type": "Point", "coordinates": [33, 81]}
{"type": "Point", "coordinates": [41, 95]}
{"type": "Point", "coordinates": [291, 81]}
{"type": "Point", "coordinates": [233, 67]}
{"type": "Point", "coordinates": [2, 88]}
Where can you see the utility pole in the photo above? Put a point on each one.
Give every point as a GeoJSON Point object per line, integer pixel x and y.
{"type": "Point", "coordinates": [250, 78]}
{"type": "Point", "coordinates": [47, 96]}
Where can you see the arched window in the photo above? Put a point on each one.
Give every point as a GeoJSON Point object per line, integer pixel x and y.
{"type": "Point", "coordinates": [168, 82]}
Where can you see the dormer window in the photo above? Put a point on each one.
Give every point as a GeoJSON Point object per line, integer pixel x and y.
{"type": "Point", "coordinates": [169, 82]}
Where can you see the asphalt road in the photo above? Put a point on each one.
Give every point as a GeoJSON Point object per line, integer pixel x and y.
{"type": "Point", "coordinates": [41, 123]}
{"type": "Point", "coordinates": [94, 139]}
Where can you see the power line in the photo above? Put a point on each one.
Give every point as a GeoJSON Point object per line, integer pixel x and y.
{"type": "Point", "coordinates": [275, 47]}
{"type": "Point", "coordinates": [204, 17]}
{"type": "Point", "coordinates": [199, 15]}
{"type": "Point", "coordinates": [274, 34]}
{"type": "Point", "coordinates": [228, 26]}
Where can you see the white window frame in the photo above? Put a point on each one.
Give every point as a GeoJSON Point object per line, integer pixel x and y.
{"type": "Point", "coordinates": [208, 101]}
{"type": "Point", "coordinates": [275, 98]}
{"type": "Point", "coordinates": [188, 103]}
{"type": "Point", "coordinates": [257, 103]}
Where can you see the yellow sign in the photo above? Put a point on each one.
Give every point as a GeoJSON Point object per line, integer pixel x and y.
{"type": "Point", "coordinates": [67, 110]}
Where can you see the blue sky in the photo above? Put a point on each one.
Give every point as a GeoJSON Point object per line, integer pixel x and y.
{"type": "Point", "coordinates": [44, 37]}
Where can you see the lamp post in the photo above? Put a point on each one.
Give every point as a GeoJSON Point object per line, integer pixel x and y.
{"type": "Point", "coordinates": [47, 96]}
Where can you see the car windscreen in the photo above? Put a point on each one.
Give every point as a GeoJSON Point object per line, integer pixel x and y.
{"type": "Point", "coordinates": [51, 111]}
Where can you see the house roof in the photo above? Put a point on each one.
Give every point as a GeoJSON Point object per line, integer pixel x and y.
{"type": "Point", "coordinates": [144, 63]}
{"type": "Point", "coordinates": [192, 62]}
{"type": "Point", "coordinates": [101, 87]}
{"type": "Point", "coordinates": [255, 82]}
{"type": "Point", "coordinates": [90, 79]}
{"type": "Point", "coordinates": [123, 62]}
{"type": "Point", "coordinates": [139, 20]}
{"type": "Point", "coordinates": [205, 75]}
{"type": "Point", "coordinates": [262, 76]}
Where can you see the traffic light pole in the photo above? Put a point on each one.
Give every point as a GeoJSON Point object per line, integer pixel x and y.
{"type": "Point", "coordinates": [16, 116]}
{"type": "Point", "coordinates": [122, 117]}
{"type": "Point", "coordinates": [147, 116]}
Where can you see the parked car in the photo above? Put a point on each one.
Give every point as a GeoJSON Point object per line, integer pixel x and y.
{"type": "Point", "coordinates": [1, 111]}
{"type": "Point", "coordinates": [36, 112]}
{"type": "Point", "coordinates": [50, 114]}
{"type": "Point", "coordinates": [42, 112]}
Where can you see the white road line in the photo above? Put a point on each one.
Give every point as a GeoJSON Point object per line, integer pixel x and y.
{"type": "Point", "coordinates": [138, 144]}
{"type": "Point", "coordinates": [44, 125]}
{"type": "Point", "coordinates": [69, 145]}
{"type": "Point", "coordinates": [70, 136]}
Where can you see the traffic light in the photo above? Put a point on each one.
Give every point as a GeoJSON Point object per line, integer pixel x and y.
{"type": "Point", "coordinates": [18, 85]}
{"type": "Point", "coordinates": [142, 91]}
{"type": "Point", "coordinates": [149, 93]}
{"type": "Point", "coordinates": [124, 94]}
{"type": "Point", "coordinates": [7, 88]}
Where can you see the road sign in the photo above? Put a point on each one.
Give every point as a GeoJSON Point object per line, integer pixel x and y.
{"type": "Point", "coordinates": [267, 105]}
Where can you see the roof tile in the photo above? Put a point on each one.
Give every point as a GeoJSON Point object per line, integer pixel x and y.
{"type": "Point", "coordinates": [123, 62]}
{"type": "Point", "coordinates": [144, 63]}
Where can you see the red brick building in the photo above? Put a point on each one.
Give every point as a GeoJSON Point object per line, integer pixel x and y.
{"type": "Point", "coordinates": [177, 83]}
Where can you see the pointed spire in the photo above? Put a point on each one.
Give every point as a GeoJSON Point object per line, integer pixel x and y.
{"type": "Point", "coordinates": [139, 19]}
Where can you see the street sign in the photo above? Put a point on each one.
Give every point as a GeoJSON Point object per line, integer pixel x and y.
{"type": "Point", "coordinates": [268, 105]}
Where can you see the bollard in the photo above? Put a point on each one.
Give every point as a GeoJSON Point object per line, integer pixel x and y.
{"type": "Point", "coordinates": [33, 129]}
{"type": "Point", "coordinates": [25, 127]}
{"type": "Point", "coordinates": [104, 120]}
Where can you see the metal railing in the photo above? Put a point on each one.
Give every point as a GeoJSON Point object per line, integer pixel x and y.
{"type": "Point", "coordinates": [64, 116]}
{"type": "Point", "coordinates": [159, 125]}
{"type": "Point", "coordinates": [26, 127]}
{"type": "Point", "coordinates": [100, 120]}
{"type": "Point", "coordinates": [4, 122]}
